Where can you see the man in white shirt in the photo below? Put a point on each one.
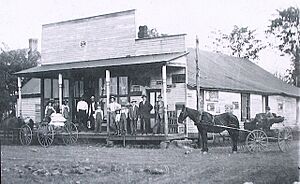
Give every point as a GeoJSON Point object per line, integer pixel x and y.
{"type": "Point", "coordinates": [82, 110]}
{"type": "Point", "coordinates": [112, 108]}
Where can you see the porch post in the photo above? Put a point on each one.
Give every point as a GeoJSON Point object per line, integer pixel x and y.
{"type": "Point", "coordinates": [107, 78]}
{"type": "Point", "coordinates": [60, 82]}
{"type": "Point", "coordinates": [20, 98]}
{"type": "Point", "coordinates": [186, 100]}
{"type": "Point", "coordinates": [164, 79]}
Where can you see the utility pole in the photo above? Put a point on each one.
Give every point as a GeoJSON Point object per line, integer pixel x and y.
{"type": "Point", "coordinates": [197, 75]}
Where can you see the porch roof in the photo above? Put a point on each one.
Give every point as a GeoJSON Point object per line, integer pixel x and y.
{"type": "Point", "coordinates": [102, 63]}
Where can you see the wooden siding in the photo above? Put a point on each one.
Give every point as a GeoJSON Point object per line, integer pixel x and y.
{"type": "Point", "coordinates": [225, 99]}
{"type": "Point", "coordinates": [158, 45]}
{"type": "Point", "coordinates": [102, 37]}
{"type": "Point", "coordinates": [288, 109]}
{"type": "Point", "coordinates": [31, 108]}
{"type": "Point", "coordinates": [191, 103]}
{"type": "Point", "coordinates": [105, 37]}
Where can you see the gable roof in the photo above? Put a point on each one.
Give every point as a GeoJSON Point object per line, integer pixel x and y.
{"type": "Point", "coordinates": [219, 71]}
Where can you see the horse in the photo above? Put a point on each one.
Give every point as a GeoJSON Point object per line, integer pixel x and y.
{"type": "Point", "coordinates": [207, 122]}
{"type": "Point", "coordinates": [13, 124]}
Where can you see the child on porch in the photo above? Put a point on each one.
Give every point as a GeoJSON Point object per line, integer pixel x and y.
{"type": "Point", "coordinates": [99, 119]}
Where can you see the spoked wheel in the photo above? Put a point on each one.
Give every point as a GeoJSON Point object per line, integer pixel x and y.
{"type": "Point", "coordinates": [25, 135]}
{"type": "Point", "coordinates": [70, 133]}
{"type": "Point", "coordinates": [256, 141]}
{"type": "Point", "coordinates": [285, 138]}
{"type": "Point", "coordinates": [45, 135]}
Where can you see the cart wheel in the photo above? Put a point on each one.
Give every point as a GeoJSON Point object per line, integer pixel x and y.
{"type": "Point", "coordinates": [45, 135]}
{"type": "Point", "coordinates": [25, 135]}
{"type": "Point", "coordinates": [285, 138]}
{"type": "Point", "coordinates": [70, 133]}
{"type": "Point", "coordinates": [256, 141]}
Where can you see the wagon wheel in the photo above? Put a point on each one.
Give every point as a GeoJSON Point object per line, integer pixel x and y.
{"type": "Point", "coordinates": [45, 135]}
{"type": "Point", "coordinates": [285, 138]}
{"type": "Point", "coordinates": [256, 141]}
{"type": "Point", "coordinates": [69, 133]}
{"type": "Point", "coordinates": [25, 135]}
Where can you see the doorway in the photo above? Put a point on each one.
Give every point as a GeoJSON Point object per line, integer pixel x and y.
{"type": "Point", "coordinates": [152, 95]}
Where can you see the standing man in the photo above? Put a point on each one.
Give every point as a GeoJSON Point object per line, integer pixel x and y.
{"type": "Point", "coordinates": [159, 112]}
{"type": "Point", "coordinates": [133, 116]}
{"type": "Point", "coordinates": [82, 109]}
{"type": "Point", "coordinates": [112, 108]}
{"type": "Point", "coordinates": [144, 111]}
{"type": "Point", "coordinates": [91, 112]}
{"type": "Point", "coordinates": [65, 110]}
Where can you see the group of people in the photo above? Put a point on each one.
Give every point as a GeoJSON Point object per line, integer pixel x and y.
{"type": "Point", "coordinates": [54, 108]}
{"type": "Point", "coordinates": [90, 115]}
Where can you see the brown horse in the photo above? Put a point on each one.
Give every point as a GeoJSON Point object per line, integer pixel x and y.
{"type": "Point", "coordinates": [207, 122]}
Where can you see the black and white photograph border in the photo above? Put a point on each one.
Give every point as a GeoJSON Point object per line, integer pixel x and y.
{"type": "Point", "coordinates": [173, 91]}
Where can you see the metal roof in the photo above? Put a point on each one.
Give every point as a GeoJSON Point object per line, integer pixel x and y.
{"type": "Point", "coordinates": [219, 71]}
{"type": "Point", "coordinates": [103, 63]}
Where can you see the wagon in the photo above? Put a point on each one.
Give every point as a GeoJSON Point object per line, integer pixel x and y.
{"type": "Point", "coordinates": [257, 134]}
{"type": "Point", "coordinates": [46, 132]}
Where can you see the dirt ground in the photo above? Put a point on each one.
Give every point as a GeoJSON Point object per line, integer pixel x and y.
{"type": "Point", "coordinates": [95, 163]}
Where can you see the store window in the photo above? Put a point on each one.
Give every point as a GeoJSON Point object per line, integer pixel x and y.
{"type": "Point", "coordinates": [178, 78]}
{"type": "Point", "coordinates": [123, 85]}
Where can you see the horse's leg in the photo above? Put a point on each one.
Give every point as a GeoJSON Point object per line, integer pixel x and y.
{"type": "Point", "coordinates": [204, 141]}
{"type": "Point", "coordinates": [203, 133]}
{"type": "Point", "coordinates": [234, 135]}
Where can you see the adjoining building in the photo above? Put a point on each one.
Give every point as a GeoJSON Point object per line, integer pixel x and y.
{"type": "Point", "coordinates": [102, 56]}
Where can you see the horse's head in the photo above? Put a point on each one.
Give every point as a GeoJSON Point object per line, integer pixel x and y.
{"type": "Point", "coordinates": [183, 114]}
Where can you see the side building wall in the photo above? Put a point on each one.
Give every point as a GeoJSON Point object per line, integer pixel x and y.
{"type": "Point", "coordinates": [31, 107]}
{"type": "Point", "coordinates": [284, 106]}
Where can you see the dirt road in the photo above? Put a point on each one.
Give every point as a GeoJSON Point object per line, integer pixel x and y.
{"type": "Point", "coordinates": [97, 164]}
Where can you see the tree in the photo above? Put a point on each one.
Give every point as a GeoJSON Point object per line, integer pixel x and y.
{"type": "Point", "coordinates": [286, 29]}
{"type": "Point", "coordinates": [11, 62]}
{"type": "Point", "coordinates": [241, 42]}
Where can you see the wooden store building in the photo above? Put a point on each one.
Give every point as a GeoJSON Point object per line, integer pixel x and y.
{"type": "Point", "coordinates": [102, 56]}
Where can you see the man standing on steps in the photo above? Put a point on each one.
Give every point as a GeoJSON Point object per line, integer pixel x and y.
{"type": "Point", "coordinates": [133, 116]}
{"type": "Point", "coordinates": [91, 113]}
{"type": "Point", "coordinates": [160, 113]}
{"type": "Point", "coordinates": [144, 111]}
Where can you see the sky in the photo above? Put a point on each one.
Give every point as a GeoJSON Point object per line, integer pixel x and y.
{"type": "Point", "coordinates": [23, 19]}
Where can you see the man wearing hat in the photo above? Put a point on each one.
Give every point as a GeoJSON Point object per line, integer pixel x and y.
{"type": "Point", "coordinates": [144, 111]}
{"type": "Point", "coordinates": [112, 108]}
{"type": "Point", "coordinates": [49, 110]}
{"type": "Point", "coordinates": [159, 112]}
{"type": "Point", "coordinates": [133, 116]}
{"type": "Point", "coordinates": [91, 111]}
{"type": "Point", "coordinates": [269, 115]}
